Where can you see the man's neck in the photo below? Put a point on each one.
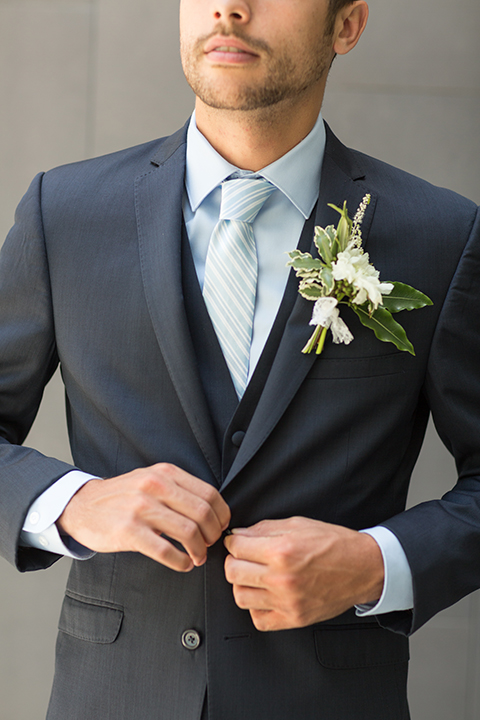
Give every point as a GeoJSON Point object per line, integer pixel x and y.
{"type": "Point", "coordinates": [251, 140]}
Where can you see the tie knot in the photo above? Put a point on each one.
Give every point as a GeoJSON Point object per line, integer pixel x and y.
{"type": "Point", "coordinates": [243, 198]}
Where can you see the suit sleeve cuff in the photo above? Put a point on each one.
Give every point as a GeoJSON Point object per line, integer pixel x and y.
{"type": "Point", "coordinates": [398, 586]}
{"type": "Point", "coordinates": [39, 530]}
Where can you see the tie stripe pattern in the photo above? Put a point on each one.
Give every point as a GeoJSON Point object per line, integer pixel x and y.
{"type": "Point", "coordinates": [231, 269]}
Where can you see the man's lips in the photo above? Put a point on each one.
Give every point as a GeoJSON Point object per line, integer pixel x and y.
{"type": "Point", "coordinates": [228, 49]}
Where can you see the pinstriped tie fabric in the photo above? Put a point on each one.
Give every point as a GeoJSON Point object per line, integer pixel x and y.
{"type": "Point", "coordinates": [231, 268]}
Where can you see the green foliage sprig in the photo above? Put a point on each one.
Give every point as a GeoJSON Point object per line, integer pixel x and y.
{"type": "Point", "coordinates": [343, 275]}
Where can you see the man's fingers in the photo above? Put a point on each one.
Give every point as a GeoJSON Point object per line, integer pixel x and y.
{"type": "Point", "coordinates": [193, 515]}
{"type": "Point", "coordinates": [162, 551]}
{"type": "Point", "coordinates": [269, 528]}
{"type": "Point", "coordinates": [208, 494]}
{"type": "Point", "coordinates": [252, 548]}
{"type": "Point", "coordinates": [161, 519]}
{"type": "Point", "coordinates": [193, 501]}
{"type": "Point", "coordinates": [252, 598]}
{"type": "Point", "coordinates": [131, 512]}
{"type": "Point", "coordinates": [242, 572]}
{"type": "Point", "coordinates": [193, 498]}
{"type": "Point", "coordinates": [309, 572]}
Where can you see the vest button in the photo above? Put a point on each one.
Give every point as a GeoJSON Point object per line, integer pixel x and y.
{"type": "Point", "coordinates": [191, 639]}
{"type": "Point", "coordinates": [237, 438]}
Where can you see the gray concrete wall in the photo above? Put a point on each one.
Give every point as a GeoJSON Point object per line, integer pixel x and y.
{"type": "Point", "coordinates": [84, 77]}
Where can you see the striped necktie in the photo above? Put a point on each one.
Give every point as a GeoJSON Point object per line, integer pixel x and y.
{"type": "Point", "coordinates": [231, 269]}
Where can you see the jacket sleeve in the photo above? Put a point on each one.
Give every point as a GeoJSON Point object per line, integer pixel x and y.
{"type": "Point", "coordinates": [441, 538]}
{"type": "Point", "coordinates": [27, 362]}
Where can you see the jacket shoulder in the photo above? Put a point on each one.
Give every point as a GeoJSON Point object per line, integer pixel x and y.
{"type": "Point", "coordinates": [114, 168]}
{"type": "Point", "coordinates": [398, 188]}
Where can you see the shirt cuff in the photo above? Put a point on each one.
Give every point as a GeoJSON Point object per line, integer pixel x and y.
{"type": "Point", "coordinates": [40, 531]}
{"type": "Point", "coordinates": [398, 585]}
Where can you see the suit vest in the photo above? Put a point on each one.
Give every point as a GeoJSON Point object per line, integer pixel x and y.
{"type": "Point", "coordinates": [230, 417]}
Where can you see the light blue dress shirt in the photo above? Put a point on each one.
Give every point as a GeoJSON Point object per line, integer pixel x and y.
{"type": "Point", "coordinates": [277, 230]}
{"type": "Point", "coordinates": [277, 226]}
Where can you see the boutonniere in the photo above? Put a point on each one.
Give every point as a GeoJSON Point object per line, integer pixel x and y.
{"type": "Point", "coordinates": [344, 275]}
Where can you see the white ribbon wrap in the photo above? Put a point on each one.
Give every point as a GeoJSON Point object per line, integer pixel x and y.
{"type": "Point", "coordinates": [326, 314]}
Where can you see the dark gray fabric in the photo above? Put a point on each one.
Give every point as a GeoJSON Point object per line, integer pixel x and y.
{"type": "Point", "coordinates": [91, 276]}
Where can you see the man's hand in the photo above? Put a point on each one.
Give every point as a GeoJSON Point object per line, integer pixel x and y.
{"type": "Point", "coordinates": [292, 573]}
{"type": "Point", "coordinates": [130, 512]}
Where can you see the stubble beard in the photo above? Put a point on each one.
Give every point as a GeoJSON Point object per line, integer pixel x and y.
{"type": "Point", "coordinates": [286, 78]}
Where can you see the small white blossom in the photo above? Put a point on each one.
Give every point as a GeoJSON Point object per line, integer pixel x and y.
{"type": "Point", "coordinates": [358, 219]}
{"type": "Point", "coordinates": [353, 266]}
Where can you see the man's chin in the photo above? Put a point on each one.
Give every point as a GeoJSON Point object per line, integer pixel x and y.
{"type": "Point", "coordinates": [242, 99]}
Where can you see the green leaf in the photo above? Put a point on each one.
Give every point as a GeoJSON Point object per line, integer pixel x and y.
{"type": "Point", "coordinates": [304, 261]}
{"type": "Point", "coordinates": [331, 232]}
{"type": "Point", "coordinates": [384, 326]}
{"type": "Point", "coordinates": [324, 245]}
{"type": "Point", "coordinates": [404, 297]}
{"type": "Point", "coordinates": [344, 227]}
{"type": "Point", "coordinates": [295, 255]}
{"type": "Point", "coordinates": [327, 279]}
{"type": "Point", "coordinates": [311, 291]}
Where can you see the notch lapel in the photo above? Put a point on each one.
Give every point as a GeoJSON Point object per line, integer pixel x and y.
{"type": "Point", "coordinates": [158, 204]}
{"type": "Point", "coordinates": [340, 181]}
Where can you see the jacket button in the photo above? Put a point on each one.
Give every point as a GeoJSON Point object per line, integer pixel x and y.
{"type": "Point", "coordinates": [191, 639]}
{"type": "Point", "coordinates": [237, 438]}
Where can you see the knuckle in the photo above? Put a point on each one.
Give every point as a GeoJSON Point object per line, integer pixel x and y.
{"type": "Point", "coordinates": [189, 530]}
{"type": "Point", "coordinates": [239, 598]}
{"type": "Point", "coordinates": [204, 512]}
{"type": "Point", "coordinates": [230, 574]}
{"type": "Point", "coordinates": [164, 472]}
{"type": "Point", "coordinates": [162, 552]}
{"type": "Point", "coordinates": [149, 483]}
{"type": "Point", "coordinates": [285, 551]}
{"type": "Point", "coordinates": [296, 520]}
{"type": "Point", "coordinates": [288, 582]}
{"type": "Point", "coordinates": [209, 494]}
{"type": "Point", "coordinates": [165, 468]}
{"type": "Point", "coordinates": [139, 506]}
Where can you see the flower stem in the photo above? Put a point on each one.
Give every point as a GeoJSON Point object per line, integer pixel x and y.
{"type": "Point", "coordinates": [321, 341]}
{"type": "Point", "coordinates": [318, 336]}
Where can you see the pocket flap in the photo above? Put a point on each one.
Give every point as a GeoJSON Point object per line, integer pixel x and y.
{"type": "Point", "coordinates": [365, 646]}
{"type": "Point", "coordinates": [359, 367]}
{"type": "Point", "coordinates": [90, 620]}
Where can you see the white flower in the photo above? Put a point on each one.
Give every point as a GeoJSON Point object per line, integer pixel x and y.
{"type": "Point", "coordinates": [352, 265]}
{"type": "Point", "coordinates": [326, 314]}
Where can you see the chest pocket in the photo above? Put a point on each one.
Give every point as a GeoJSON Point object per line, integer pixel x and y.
{"type": "Point", "coordinates": [375, 366]}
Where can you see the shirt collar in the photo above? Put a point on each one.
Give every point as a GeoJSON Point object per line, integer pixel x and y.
{"type": "Point", "coordinates": [296, 174]}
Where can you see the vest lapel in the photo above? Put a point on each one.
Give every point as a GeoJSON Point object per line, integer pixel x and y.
{"type": "Point", "coordinates": [214, 374]}
{"type": "Point", "coordinates": [158, 202]}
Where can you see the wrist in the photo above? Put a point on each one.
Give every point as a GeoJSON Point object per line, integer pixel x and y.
{"type": "Point", "coordinates": [68, 520]}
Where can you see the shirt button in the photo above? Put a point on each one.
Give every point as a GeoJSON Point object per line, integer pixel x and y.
{"type": "Point", "coordinates": [34, 518]}
{"type": "Point", "coordinates": [43, 541]}
{"type": "Point", "coordinates": [237, 438]}
{"type": "Point", "coordinates": [191, 639]}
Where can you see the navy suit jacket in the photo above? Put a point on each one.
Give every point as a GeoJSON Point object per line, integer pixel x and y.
{"type": "Point", "coordinates": [94, 276]}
